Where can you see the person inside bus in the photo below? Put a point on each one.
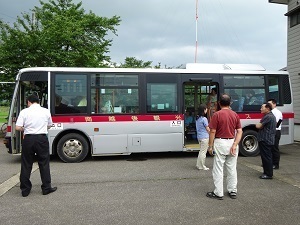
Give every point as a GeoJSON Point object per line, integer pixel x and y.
{"type": "Point", "coordinates": [234, 100]}
{"type": "Point", "coordinates": [82, 101]}
{"type": "Point", "coordinates": [188, 124]}
{"type": "Point", "coordinates": [250, 97]}
{"type": "Point", "coordinates": [212, 103]}
{"type": "Point", "coordinates": [188, 118]}
{"type": "Point", "coordinates": [61, 108]}
{"type": "Point", "coordinates": [107, 107]}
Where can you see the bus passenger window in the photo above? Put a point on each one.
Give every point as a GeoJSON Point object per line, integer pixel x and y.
{"type": "Point", "coordinates": [108, 101]}
{"type": "Point", "coordinates": [113, 93]}
{"type": "Point", "coordinates": [161, 97]}
{"type": "Point", "coordinates": [274, 88]}
{"type": "Point", "coordinates": [72, 89]}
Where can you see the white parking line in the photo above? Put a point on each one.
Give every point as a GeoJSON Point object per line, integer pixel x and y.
{"type": "Point", "coordinates": [13, 181]}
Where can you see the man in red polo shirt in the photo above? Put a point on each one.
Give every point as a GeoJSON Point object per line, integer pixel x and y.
{"type": "Point", "coordinates": [225, 135]}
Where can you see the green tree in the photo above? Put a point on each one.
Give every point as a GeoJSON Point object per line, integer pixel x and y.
{"type": "Point", "coordinates": [58, 33]}
{"type": "Point", "coordinates": [132, 62]}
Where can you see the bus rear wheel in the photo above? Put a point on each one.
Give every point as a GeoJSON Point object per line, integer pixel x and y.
{"type": "Point", "coordinates": [72, 148]}
{"type": "Point", "coordinates": [249, 144]}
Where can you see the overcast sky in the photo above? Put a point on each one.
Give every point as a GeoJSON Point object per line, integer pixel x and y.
{"type": "Point", "coordinates": [164, 31]}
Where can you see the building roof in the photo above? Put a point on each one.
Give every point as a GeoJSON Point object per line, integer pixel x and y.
{"type": "Point", "coordinates": [279, 1]}
{"type": "Point", "coordinates": [294, 10]}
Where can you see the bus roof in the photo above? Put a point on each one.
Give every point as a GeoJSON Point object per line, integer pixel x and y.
{"type": "Point", "coordinates": [190, 68]}
{"type": "Point", "coordinates": [209, 66]}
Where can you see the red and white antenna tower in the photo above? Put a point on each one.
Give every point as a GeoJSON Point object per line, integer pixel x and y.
{"type": "Point", "coordinates": [196, 50]}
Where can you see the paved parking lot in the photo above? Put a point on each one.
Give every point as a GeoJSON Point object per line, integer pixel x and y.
{"type": "Point", "coordinates": [152, 188]}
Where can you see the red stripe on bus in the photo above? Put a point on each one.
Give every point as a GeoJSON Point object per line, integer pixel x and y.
{"type": "Point", "coordinates": [115, 118]}
{"type": "Point", "coordinates": [288, 115]}
{"type": "Point", "coordinates": [260, 115]}
{"type": "Point", "coordinates": [127, 118]}
{"type": "Point", "coordinates": [250, 115]}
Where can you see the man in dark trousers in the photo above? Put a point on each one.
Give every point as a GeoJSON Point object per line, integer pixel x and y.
{"type": "Point", "coordinates": [224, 137]}
{"type": "Point", "coordinates": [35, 121]}
{"type": "Point", "coordinates": [266, 138]}
{"type": "Point", "coordinates": [275, 150]}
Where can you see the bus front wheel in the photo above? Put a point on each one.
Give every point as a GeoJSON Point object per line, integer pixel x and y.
{"type": "Point", "coordinates": [249, 143]}
{"type": "Point", "coordinates": [72, 148]}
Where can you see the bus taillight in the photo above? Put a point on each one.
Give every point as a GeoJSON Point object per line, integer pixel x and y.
{"type": "Point", "coordinates": [8, 129]}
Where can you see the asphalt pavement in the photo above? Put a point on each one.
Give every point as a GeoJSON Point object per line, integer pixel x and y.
{"type": "Point", "coordinates": [155, 188]}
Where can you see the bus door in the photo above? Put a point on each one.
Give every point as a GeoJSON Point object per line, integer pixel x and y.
{"type": "Point", "coordinates": [196, 92]}
{"type": "Point", "coordinates": [26, 88]}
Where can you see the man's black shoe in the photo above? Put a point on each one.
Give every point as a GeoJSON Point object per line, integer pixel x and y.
{"type": "Point", "coordinates": [25, 193]}
{"type": "Point", "coordinates": [264, 176]}
{"type": "Point", "coordinates": [213, 195]}
{"type": "Point", "coordinates": [275, 167]}
{"type": "Point", "coordinates": [50, 190]}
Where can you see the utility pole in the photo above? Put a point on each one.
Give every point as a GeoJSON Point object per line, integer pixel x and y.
{"type": "Point", "coordinates": [196, 49]}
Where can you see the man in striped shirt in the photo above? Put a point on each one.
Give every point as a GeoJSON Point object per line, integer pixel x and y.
{"type": "Point", "coordinates": [266, 138]}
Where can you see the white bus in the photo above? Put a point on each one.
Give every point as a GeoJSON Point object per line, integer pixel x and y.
{"type": "Point", "coordinates": [115, 111]}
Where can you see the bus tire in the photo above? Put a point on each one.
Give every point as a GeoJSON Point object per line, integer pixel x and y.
{"type": "Point", "coordinates": [72, 148]}
{"type": "Point", "coordinates": [249, 143]}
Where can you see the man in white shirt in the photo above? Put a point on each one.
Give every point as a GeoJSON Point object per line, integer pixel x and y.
{"type": "Point", "coordinates": [35, 121]}
{"type": "Point", "coordinates": [275, 150]}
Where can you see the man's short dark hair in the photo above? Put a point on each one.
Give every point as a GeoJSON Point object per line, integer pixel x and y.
{"type": "Point", "coordinates": [33, 99]}
{"type": "Point", "coordinates": [273, 100]}
{"type": "Point", "coordinates": [225, 100]}
{"type": "Point", "coordinates": [268, 106]}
